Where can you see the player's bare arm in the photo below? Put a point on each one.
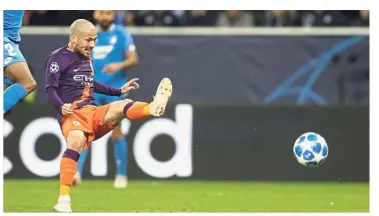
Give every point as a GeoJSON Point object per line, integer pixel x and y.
{"type": "Point", "coordinates": [130, 62]}
{"type": "Point", "coordinates": [131, 57]}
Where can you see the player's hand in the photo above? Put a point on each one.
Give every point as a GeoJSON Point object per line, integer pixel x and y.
{"type": "Point", "coordinates": [132, 84]}
{"type": "Point", "coordinates": [112, 68]}
{"type": "Point", "coordinates": [67, 109]}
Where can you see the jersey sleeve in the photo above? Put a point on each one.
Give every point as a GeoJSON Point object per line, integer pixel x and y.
{"type": "Point", "coordinates": [128, 42]}
{"type": "Point", "coordinates": [53, 70]}
{"type": "Point", "coordinates": [105, 89]}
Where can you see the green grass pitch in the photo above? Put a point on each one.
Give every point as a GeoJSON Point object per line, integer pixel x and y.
{"type": "Point", "coordinates": [189, 196]}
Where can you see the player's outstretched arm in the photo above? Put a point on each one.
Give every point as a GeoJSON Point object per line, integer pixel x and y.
{"type": "Point", "coordinates": [104, 89]}
{"type": "Point", "coordinates": [107, 90]}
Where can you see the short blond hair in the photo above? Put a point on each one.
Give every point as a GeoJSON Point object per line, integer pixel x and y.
{"type": "Point", "coordinates": [79, 26]}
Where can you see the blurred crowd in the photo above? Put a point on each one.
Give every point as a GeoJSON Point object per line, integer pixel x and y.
{"type": "Point", "coordinates": [236, 18]}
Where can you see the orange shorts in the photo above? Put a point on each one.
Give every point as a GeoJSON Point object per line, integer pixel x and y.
{"type": "Point", "coordinates": [89, 120]}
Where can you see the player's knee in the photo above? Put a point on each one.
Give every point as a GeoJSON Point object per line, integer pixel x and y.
{"type": "Point", "coordinates": [76, 140]}
{"type": "Point", "coordinates": [75, 145]}
{"type": "Point", "coordinates": [116, 112]}
{"type": "Point", "coordinates": [30, 85]}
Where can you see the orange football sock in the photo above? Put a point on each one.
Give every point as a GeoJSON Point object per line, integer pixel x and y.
{"type": "Point", "coordinates": [69, 165]}
{"type": "Point", "coordinates": [136, 110]}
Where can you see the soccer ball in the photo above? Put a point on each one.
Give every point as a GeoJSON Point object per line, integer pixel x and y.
{"type": "Point", "coordinates": [311, 149]}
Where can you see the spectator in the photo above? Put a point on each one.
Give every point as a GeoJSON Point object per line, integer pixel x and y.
{"type": "Point", "coordinates": [129, 18]}
{"type": "Point", "coordinates": [259, 17]}
{"type": "Point", "coordinates": [363, 19]}
{"type": "Point", "coordinates": [66, 17]}
{"type": "Point", "coordinates": [42, 18]}
{"type": "Point", "coordinates": [26, 18]}
{"type": "Point", "coordinates": [147, 18]}
{"type": "Point", "coordinates": [201, 18]}
{"type": "Point", "coordinates": [204, 18]}
{"type": "Point", "coordinates": [173, 18]}
{"type": "Point", "coordinates": [120, 17]}
{"type": "Point", "coordinates": [235, 18]}
{"type": "Point", "coordinates": [280, 17]}
{"type": "Point", "coordinates": [321, 18]}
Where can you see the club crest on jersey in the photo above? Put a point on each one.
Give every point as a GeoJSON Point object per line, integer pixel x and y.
{"type": "Point", "coordinates": [54, 67]}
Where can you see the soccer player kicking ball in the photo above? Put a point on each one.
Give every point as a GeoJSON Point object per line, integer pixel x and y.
{"type": "Point", "coordinates": [70, 87]}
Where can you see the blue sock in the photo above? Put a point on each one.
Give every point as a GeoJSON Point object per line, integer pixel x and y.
{"type": "Point", "coordinates": [121, 154]}
{"type": "Point", "coordinates": [82, 160]}
{"type": "Point", "coordinates": [12, 95]}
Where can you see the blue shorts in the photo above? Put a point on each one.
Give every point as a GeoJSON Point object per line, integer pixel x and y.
{"type": "Point", "coordinates": [12, 54]}
{"type": "Point", "coordinates": [101, 99]}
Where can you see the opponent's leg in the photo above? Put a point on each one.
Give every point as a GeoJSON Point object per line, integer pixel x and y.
{"type": "Point", "coordinates": [76, 140]}
{"type": "Point", "coordinates": [120, 153]}
{"type": "Point", "coordinates": [6, 85]}
{"type": "Point", "coordinates": [24, 83]}
{"type": "Point", "coordinates": [140, 110]}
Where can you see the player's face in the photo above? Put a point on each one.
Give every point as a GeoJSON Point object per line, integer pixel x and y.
{"type": "Point", "coordinates": [105, 18]}
{"type": "Point", "coordinates": [86, 42]}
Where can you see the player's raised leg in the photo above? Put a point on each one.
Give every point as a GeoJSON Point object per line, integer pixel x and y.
{"type": "Point", "coordinates": [76, 139]}
{"type": "Point", "coordinates": [24, 83]}
{"type": "Point", "coordinates": [121, 157]}
{"type": "Point", "coordinates": [135, 110]}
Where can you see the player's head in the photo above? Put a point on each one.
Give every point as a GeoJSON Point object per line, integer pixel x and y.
{"type": "Point", "coordinates": [82, 37]}
{"type": "Point", "coordinates": [105, 18]}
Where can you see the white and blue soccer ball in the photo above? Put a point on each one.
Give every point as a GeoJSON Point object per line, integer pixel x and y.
{"type": "Point", "coordinates": [311, 149]}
